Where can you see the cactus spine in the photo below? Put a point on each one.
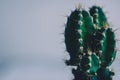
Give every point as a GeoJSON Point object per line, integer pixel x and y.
{"type": "Point", "coordinates": [90, 43]}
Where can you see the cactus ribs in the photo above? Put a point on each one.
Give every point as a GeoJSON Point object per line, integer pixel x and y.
{"type": "Point", "coordinates": [90, 43]}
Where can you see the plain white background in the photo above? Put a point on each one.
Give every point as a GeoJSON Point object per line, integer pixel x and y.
{"type": "Point", "coordinates": [31, 44]}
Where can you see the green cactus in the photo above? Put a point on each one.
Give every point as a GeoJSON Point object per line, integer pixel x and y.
{"type": "Point", "coordinates": [90, 43]}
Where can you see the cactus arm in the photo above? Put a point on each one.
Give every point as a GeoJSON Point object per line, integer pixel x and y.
{"type": "Point", "coordinates": [73, 37]}
{"type": "Point", "coordinates": [107, 36]}
{"type": "Point", "coordinates": [90, 63]}
{"type": "Point", "coordinates": [77, 32]}
{"type": "Point", "coordinates": [109, 48]}
{"type": "Point", "coordinates": [99, 17]}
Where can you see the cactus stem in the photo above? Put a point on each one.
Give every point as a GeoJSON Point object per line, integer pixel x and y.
{"type": "Point", "coordinates": [91, 44]}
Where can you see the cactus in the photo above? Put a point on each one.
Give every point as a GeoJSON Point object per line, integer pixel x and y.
{"type": "Point", "coordinates": [90, 43]}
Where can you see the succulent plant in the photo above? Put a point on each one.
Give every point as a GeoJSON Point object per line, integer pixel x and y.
{"type": "Point", "coordinates": [90, 43]}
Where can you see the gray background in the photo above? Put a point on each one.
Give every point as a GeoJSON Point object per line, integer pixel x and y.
{"type": "Point", "coordinates": [31, 43]}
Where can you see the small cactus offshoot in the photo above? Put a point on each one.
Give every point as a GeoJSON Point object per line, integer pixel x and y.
{"type": "Point", "coordinates": [90, 43]}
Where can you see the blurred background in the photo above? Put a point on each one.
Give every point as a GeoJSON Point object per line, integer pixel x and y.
{"type": "Point", "coordinates": [31, 44]}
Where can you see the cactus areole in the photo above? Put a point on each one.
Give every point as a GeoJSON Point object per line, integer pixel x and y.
{"type": "Point", "coordinates": [90, 43]}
